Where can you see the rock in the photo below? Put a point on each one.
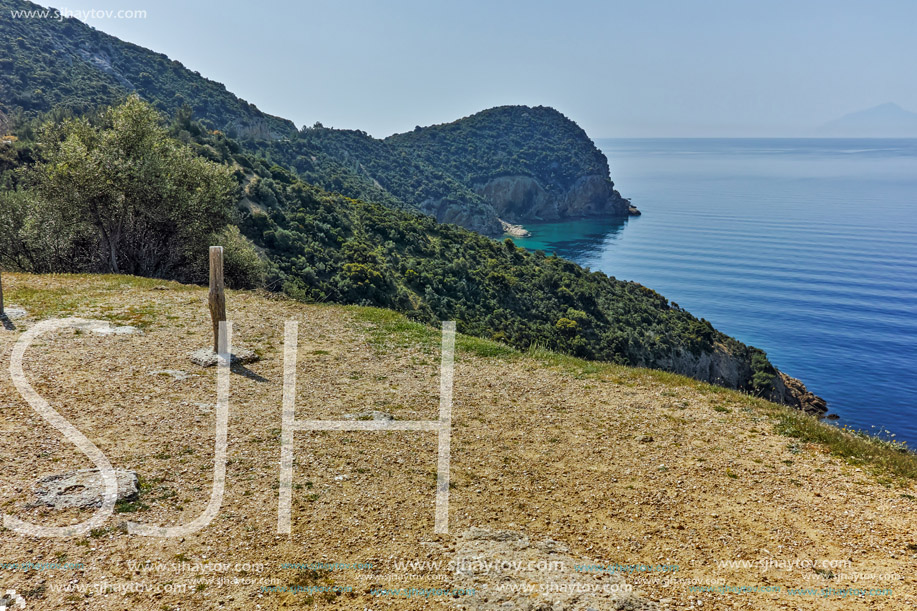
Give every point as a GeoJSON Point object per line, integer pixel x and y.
{"type": "Point", "coordinates": [480, 217]}
{"type": "Point", "coordinates": [794, 393]}
{"type": "Point", "coordinates": [101, 327]}
{"type": "Point", "coordinates": [633, 211]}
{"type": "Point", "coordinates": [723, 368]}
{"type": "Point", "coordinates": [517, 231]}
{"type": "Point", "coordinates": [206, 357]}
{"type": "Point", "coordinates": [174, 373]}
{"type": "Point", "coordinates": [524, 198]}
{"type": "Point", "coordinates": [83, 489]}
{"type": "Point", "coordinates": [12, 313]}
{"type": "Point", "coordinates": [10, 600]}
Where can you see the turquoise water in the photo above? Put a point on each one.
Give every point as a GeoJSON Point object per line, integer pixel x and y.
{"type": "Point", "coordinates": [806, 249]}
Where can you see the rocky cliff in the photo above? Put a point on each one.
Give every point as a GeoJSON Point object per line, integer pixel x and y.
{"type": "Point", "coordinates": [481, 218]}
{"type": "Point", "coordinates": [724, 367]}
{"type": "Point", "coordinates": [794, 393]}
{"type": "Point", "coordinates": [527, 163]}
{"type": "Point", "coordinates": [520, 199]}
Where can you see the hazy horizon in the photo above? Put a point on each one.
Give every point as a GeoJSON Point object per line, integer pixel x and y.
{"type": "Point", "coordinates": [667, 70]}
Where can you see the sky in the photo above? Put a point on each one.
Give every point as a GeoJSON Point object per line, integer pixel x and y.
{"type": "Point", "coordinates": [641, 68]}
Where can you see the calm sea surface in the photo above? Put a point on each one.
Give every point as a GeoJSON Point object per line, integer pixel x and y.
{"type": "Point", "coordinates": [806, 249]}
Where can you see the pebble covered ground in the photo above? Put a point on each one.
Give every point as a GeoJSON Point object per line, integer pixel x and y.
{"type": "Point", "coordinates": [598, 478]}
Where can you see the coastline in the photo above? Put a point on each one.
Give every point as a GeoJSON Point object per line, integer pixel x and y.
{"type": "Point", "coordinates": [515, 231]}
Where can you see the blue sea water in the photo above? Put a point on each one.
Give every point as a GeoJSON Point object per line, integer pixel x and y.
{"type": "Point", "coordinates": [806, 249]}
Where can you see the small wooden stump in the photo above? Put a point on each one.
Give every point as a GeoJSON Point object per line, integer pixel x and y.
{"type": "Point", "coordinates": [217, 294]}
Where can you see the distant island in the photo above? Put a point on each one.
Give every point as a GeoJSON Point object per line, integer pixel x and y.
{"type": "Point", "coordinates": [884, 121]}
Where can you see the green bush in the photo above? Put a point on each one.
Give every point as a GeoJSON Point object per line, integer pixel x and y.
{"type": "Point", "coordinates": [243, 266]}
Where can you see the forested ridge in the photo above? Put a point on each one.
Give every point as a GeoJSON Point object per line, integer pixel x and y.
{"type": "Point", "coordinates": [289, 236]}
{"type": "Point", "coordinates": [65, 66]}
{"type": "Point", "coordinates": [116, 158]}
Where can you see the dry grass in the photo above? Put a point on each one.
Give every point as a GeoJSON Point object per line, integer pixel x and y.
{"type": "Point", "coordinates": [622, 465]}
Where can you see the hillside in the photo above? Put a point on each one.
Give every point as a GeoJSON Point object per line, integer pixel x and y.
{"type": "Point", "coordinates": [198, 185]}
{"type": "Point", "coordinates": [355, 164]}
{"type": "Point", "coordinates": [514, 164]}
{"type": "Point", "coordinates": [67, 65]}
{"type": "Point", "coordinates": [556, 462]}
{"type": "Point", "coordinates": [528, 163]}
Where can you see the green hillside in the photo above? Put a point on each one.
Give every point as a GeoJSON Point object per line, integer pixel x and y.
{"type": "Point", "coordinates": [324, 214]}
{"type": "Point", "coordinates": [510, 140]}
{"type": "Point", "coordinates": [65, 64]}
{"type": "Point", "coordinates": [121, 190]}
{"type": "Point", "coordinates": [69, 68]}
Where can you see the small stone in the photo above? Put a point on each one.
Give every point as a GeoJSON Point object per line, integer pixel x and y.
{"type": "Point", "coordinates": [646, 439]}
{"type": "Point", "coordinates": [14, 313]}
{"type": "Point", "coordinates": [83, 488]}
{"type": "Point", "coordinates": [206, 357]}
{"type": "Point", "coordinates": [100, 327]}
{"type": "Point", "coordinates": [174, 373]}
{"type": "Point", "coordinates": [11, 600]}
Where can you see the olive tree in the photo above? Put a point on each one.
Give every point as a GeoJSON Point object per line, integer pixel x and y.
{"type": "Point", "coordinates": [128, 198]}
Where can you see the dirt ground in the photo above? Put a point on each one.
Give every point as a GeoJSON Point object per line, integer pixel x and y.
{"type": "Point", "coordinates": [675, 495]}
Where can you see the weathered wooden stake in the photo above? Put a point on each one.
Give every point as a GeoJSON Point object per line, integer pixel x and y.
{"type": "Point", "coordinates": [217, 294]}
{"type": "Point", "coordinates": [1, 295]}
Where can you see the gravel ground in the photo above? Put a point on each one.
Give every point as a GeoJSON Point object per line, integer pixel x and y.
{"type": "Point", "coordinates": [656, 484]}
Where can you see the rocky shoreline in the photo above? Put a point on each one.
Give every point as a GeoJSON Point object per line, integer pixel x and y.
{"type": "Point", "coordinates": [516, 231]}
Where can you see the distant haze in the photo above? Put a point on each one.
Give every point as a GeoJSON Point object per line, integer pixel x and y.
{"type": "Point", "coordinates": [620, 69]}
{"type": "Point", "coordinates": [883, 121]}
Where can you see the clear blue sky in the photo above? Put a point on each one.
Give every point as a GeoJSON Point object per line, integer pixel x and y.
{"type": "Point", "coordinates": [620, 69]}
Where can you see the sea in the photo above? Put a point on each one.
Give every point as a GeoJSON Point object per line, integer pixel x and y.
{"type": "Point", "coordinates": [805, 248]}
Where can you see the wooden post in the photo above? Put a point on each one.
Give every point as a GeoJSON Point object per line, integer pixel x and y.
{"type": "Point", "coordinates": [2, 313]}
{"type": "Point", "coordinates": [217, 294]}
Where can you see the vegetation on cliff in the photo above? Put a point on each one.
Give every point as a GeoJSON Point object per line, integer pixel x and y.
{"type": "Point", "coordinates": [318, 246]}
{"type": "Point", "coordinates": [46, 64]}
{"type": "Point", "coordinates": [354, 164]}
{"type": "Point", "coordinates": [538, 142]}
{"type": "Point", "coordinates": [67, 68]}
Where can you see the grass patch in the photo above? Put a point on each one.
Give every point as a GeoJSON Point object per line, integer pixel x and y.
{"type": "Point", "coordinates": [889, 457]}
{"type": "Point", "coordinates": [389, 329]}
{"type": "Point", "coordinates": [135, 316]}
{"type": "Point", "coordinates": [576, 367]}
{"type": "Point", "coordinates": [484, 348]}
{"type": "Point", "coordinates": [43, 302]}
{"type": "Point", "coordinates": [130, 506]}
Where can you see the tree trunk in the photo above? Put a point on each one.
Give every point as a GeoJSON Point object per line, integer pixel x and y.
{"type": "Point", "coordinates": [113, 257]}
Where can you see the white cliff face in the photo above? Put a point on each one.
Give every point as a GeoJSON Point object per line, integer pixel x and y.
{"type": "Point", "coordinates": [520, 199]}
{"type": "Point", "coordinates": [447, 211]}
{"type": "Point", "coordinates": [718, 367]}
{"type": "Point", "coordinates": [724, 369]}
